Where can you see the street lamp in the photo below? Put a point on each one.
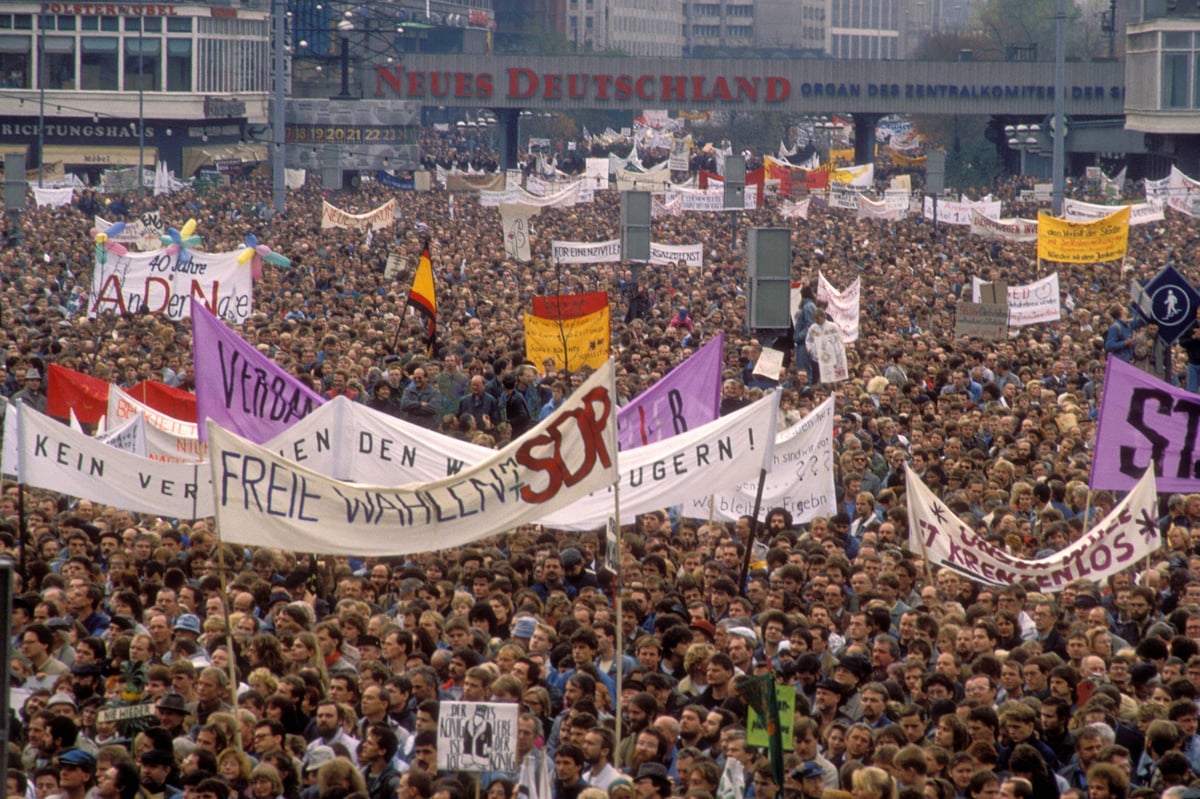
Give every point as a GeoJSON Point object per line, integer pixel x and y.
{"type": "Point", "coordinates": [1024, 139]}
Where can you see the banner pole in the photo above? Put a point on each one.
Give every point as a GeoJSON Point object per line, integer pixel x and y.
{"type": "Point", "coordinates": [231, 654]}
{"type": "Point", "coordinates": [616, 567]}
{"type": "Point", "coordinates": [758, 493]}
{"type": "Point", "coordinates": [908, 477]}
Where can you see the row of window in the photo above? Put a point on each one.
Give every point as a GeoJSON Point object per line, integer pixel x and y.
{"type": "Point", "coordinates": [868, 47]}
{"type": "Point", "coordinates": [130, 63]}
{"type": "Point", "coordinates": [97, 63]}
{"type": "Point", "coordinates": [868, 14]}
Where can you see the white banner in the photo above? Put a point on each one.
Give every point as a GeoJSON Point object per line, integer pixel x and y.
{"type": "Point", "coordinates": [881, 209]}
{"type": "Point", "coordinates": [348, 441]}
{"type": "Point", "coordinates": [55, 457]}
{"type": "Point", "coordinates": [1030, 304]}
{"type": "Point", "coordinates": [581, 252]}
{"type": "Point", "coordinates": [662, 205]}
{"type": "Point", "coordinates": [596, 173]}
{"type": "Point", "coordinates": [657, 178]}
{"type": "Point", "coordinates": [167, 438]}
{"type": "Point", "coordinates": [158, 283]}
{"type": "Point", "coordinates": [800, 480]}
{"type": "Point", "coordinates": [681, 147]}
{"type": "Point", "coordinates": [791, 210]}
{"type": "Point", "coordinates": [953, 212]}
{"type": "Point", "coordinates": [1139, 213]}
{"type": "Point", "coordinates": [690, 254]}
{"type": "Point", "coordinates": [262, 499]}
{"type": "Point", "coordinates": [52, 197]}
{"type": "Point", "coordinates": [843, 306]}
{"type": "Point", "coordinates": [514, 227]}
{"type": "Point", "coordinates": [1013, 230]}
{"type": "Point", "coordinates": [860, 175]}
{"type": "Point", "coordinates": [556, 197]}
{"type": "Point", "coordinates": [713, 198]}
{"type": "Point", "coordinates": [1123, 539]}
{"type": "Point", "coordinates": [844, 196]}
{"type": "Point", "coordinates": [377, 219]}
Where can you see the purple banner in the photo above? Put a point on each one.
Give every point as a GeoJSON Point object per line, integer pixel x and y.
{"type": "Point", "coordinates": [241, 389]}
{"type": "Point", "coordinates": [1144, 420]}
{"type": "Point", "coordinates": [685, 398]}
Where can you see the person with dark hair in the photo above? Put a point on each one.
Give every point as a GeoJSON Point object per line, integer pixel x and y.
{"type": "Point", "coordinates": [118, 781]}
{"type": "Point", "coordinates": [375, 755]}
{"type": "Point", "coordinates": [569, 762]}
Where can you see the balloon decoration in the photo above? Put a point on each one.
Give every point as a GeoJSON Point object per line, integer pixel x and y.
{"type": "Point", "coordinates": [180, 242]}
{"type": "Point", "coordinates": [106, 242]}
{"type": "Point", "coordinates": [257, 253]}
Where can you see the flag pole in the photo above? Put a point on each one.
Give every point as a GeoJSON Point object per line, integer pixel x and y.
{"type": "Point", "coordinates": [758, 492]}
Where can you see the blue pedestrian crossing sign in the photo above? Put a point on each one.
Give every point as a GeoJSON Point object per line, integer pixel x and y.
{"type": "Point", "coordinates": [1169, 301]}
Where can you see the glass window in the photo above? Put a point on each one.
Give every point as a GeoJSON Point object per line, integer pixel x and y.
{"type": "Point", "coordinates": [89, 23]}
{"type": "Point", "coordinates": [144, 72]}
{"type": "Point", "coordinates": [23, 22]}
{"type": "Point", "coordinates": [15, 62]}
{"type": "Point", "coordinates": [66, 23]}
{"type": "Point", "coordinates": [59, 52]}
{"type": "Point", "coordinates": [1176, 40]}
{"type": "Point", "coordinates": [179, 24]}
{"type": "Point", "coordinates": [46, 22]}
{"type": "Point", "coordinates": [179, 65]}
{"type": "Point", "coordinates": [153, 24]}
{"type": "Point", "coordinates": [110, 24]}
{"type": "Point", "coordinates": [99, 66]}
{"type": "Point", "coordinates": [1175, 68]}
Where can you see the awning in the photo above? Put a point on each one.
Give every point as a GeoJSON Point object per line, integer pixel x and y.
{"type": "Point", "coordinates": [98, 156]}
{"type": "Point", "coordinates": [209, 154]}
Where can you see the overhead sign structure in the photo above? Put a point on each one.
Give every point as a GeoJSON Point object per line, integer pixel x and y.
{"type": "Point", "coordinates": [1169, 301]}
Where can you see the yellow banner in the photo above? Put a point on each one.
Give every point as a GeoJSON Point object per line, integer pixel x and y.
{"type": "Point", "coordinates": [845, 156]}
{"type": "Point", "coordinates": [1083, 242]}
{"type": "Point", "coordinates": [904, 160]}
{"type": "Point", "coordinates": [572, 343]}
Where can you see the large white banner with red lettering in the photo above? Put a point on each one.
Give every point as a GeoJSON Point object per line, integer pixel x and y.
{"type": "Point", "coordinates": [167, 438]}
{"type": "Point", "coordinates": [262, 499]}
{"type": "Point", "coordinates": [164, 284]}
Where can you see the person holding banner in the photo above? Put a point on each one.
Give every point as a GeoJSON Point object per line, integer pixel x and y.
{"type": "Point", "coordinates": [804, 320]}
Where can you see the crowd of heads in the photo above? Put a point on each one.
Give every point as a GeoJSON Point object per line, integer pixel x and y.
{"type": "Point", "coordinates": [272, 673]}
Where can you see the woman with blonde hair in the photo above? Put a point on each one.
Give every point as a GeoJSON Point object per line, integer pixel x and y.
{"type": "Point", "coordinates": [339, 778]}
{"type": "Point", "coordinates": [234, 766]}
{"type": "Point", "coordinates": [872, 783]}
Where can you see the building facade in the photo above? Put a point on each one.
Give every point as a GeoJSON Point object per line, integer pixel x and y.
{"type": "Point", "coordinates": [119, 82]}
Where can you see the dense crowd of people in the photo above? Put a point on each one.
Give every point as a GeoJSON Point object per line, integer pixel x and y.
{"type": "Point", "coordinates": [261, 674]}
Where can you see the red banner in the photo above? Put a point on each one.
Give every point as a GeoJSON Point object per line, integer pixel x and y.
{"type": "Point", "coordinates": [569, 306]}
{"type": "Point", "coordinates": [69, 390]}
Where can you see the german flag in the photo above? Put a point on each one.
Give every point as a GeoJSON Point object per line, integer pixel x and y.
{"type": "Point", "coordinates": [422, 297]}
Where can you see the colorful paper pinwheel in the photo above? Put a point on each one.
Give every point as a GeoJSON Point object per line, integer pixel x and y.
{"type": "Point", "coordinates": [106, 241]}
{"type": "Point", "coordinates": [257, 253]}
{"type": "Point", "coordinates": [180, 242]}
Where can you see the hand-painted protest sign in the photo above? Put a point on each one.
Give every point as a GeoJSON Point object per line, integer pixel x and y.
{"type": "Point", "coordinates": [690, 254]}
{"type": "Point", "coordinates": [132, 437]}
{"type": "Point", "coordinates": [163, 284]}
{"type": "Point", "coordinates": [375, 219]}
{"type": "Point", "coordinates": [240, 389]}
{"type": "Point", "coordinates": [55, 457]}
{"type": "Point", "coordinates": [800, 479]}
{"type": "Point", "coordinates": [1030, 304]}
{"type": "Point", "coordinates": [756, 723]}
{"type": "Point", "coordinates": [1105, 239]}
{"type": "Point", "coordinates": [1144, 420]}
{"type": "Point", "coordinates": [1139, 213]}
{"type": "Point", "coordinates": [1123, 538]}
{"type": "Point", "coordinates": [685, 398]}
{"type": "Point", "coordinates": [1014, 230]}
{"type": "Point", "coordinates": [349, 441]}
{"type": "Point", "coordinates": [477, 736]}
{"type": "Point", "coordinates": [843, 305]}
{"type": "Point", "coordinates": [167, 438]}
{"type": "Point", "coordinates": [952, 212]}
{"type": "Point", "coordinates": [264, 500]}
{"type": "Point", "coordinates": [142, 233]}
{"type": "Point", "coordinates": [582, 252]}
{"type": "Point", "coordinates": [514, 227]}
{"type": "Point", "coordinates": [575, 343]}
{"type": "Point", "coordinates": [987, 321]}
